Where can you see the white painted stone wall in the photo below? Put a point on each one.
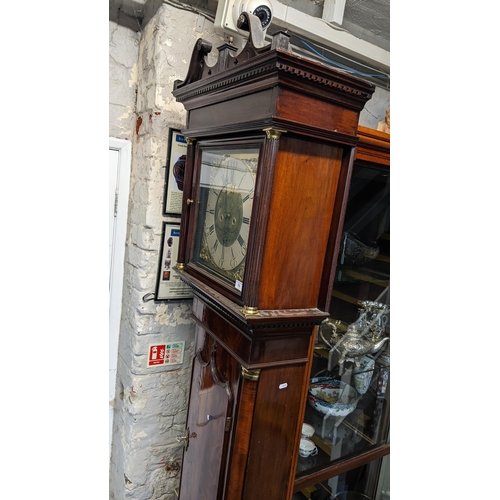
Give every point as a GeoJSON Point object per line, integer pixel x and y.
{"type": "Point", "coordinates": [375, 108]}
{"type": "Point", "coordinates": [150, 403]}
{"type": "Point", "coordinates": [123, 59]}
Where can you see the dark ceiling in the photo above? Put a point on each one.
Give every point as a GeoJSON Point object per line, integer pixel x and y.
{"type": "Point", "coordinates": [366, 19]}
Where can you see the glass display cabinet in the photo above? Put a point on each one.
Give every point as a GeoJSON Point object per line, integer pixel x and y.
{"type": "Point", "coordinates": [347, 411]}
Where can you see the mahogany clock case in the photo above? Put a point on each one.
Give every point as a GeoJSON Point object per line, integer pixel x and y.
{"type": "Point", "coordinates": [256, 321]}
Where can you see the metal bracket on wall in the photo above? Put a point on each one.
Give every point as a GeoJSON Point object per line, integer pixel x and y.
{"type": "Point", "coordinates": [148, 297]}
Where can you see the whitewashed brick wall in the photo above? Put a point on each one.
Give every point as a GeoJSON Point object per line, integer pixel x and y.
{"type": "Point", "coordinates": [150, 404]}
{"type": "Point", "coordinates": [123, 55]}
{"type": "Point", "coordinates": [375, 108]}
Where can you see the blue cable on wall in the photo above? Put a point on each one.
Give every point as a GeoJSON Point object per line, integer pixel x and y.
{"type": "Point", "coordinates": [341, 66]}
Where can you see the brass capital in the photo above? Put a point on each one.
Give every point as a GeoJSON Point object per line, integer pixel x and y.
{"type": "Point", "coordinates": [250, 374]}
{"type": "Point", "coordinates": [189, 140]}
{"type": "Point", "coordinates": [180, 266]}
{"type": "Point", "coordinates": [250, 311]}
{"type": "Point", "coordinates": [274, 133]}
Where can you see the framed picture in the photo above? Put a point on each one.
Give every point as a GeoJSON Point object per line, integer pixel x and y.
{"type": "Point", "coordinates": [174, 173]}
{"type": "Point", "coordinates": [169, 286]}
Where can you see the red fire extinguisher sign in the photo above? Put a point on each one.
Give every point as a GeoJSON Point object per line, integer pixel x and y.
{"type": "Point", "coordinates": [156, 355]}
{"type": "Point", "coordinates": [166, 354]}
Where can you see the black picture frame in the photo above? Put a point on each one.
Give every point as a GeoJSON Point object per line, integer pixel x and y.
{"type": "Point", "coordinates": [174, 174]}
{"type": "Point", "coordinates": [169, 286]}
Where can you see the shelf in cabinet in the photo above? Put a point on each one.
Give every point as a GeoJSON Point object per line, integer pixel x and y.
{"type": "Point", "coordinates": [359, 433]}
{"type": "Point", "coordinates": [307, 491]}
{"type": "Point", "coordinates": [322, 351]}
{"type": "Point", "coordinates": [306, 478]}
{"type": "Point", "coordinates": [321, 444]}
{"type": "Point", "coordinates": [345, 297]}
{"type": "Point", "coordinates": [349, 279]}
{"type": "Point", "coordinates": [327, 447]}
{"type": "Point", "coordinates": [367, 278]}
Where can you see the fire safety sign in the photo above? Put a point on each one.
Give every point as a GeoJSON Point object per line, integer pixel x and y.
{"type": "Point", "coordinates": [166, 354]}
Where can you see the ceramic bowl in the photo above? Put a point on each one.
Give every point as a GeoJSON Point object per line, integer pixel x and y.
{"type": "Point", "coordinates": [307, 430]}
{"type": "Point", "coordinates": [332, 397]}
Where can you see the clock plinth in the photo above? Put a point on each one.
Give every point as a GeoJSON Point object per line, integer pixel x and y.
{"type": "Point", "coordinates": [272, 141]}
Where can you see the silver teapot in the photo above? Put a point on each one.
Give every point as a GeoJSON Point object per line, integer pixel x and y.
{"type": "Point", "coordinates": [355, 344]}
{"type": "Point", "coordinates": [364, 336]}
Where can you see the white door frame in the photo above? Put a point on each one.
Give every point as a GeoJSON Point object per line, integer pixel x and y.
{"type": "Point", "coordinates": [124, 149]}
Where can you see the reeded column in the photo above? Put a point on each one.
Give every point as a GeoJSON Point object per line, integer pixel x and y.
{"type": "Point", "coordinates": [242, 432]}
{"type": "Point", "coordinates": [187, 197]}
{"type": "Point", "coordinates": [259, 223]}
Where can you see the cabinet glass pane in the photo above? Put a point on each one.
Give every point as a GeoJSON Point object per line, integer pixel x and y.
{"type": "Point", "coordinates": [357, 484]}
{"type": "Point", "coordinates": [363, 266]}
{"type": "Point", "coordinates": [347, 411]}
{"type": "Point", "coordinates": [363, 424]}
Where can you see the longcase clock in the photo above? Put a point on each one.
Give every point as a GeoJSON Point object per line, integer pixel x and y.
{"type": "Point", "coordinates": [271, 140]}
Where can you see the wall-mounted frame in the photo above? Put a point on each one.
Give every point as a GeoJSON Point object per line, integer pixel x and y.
{"type": "Point", "coordinates": [169, 286]}
{"type": "Point", "coordinates": [174, 173]}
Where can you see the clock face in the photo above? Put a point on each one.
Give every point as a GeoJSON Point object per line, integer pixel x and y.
{"type": "Point", "coordinates": [226, 192]}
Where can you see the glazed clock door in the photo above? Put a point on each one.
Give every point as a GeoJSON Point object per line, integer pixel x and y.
{"type": "Point", "coordinates": [209, 421]}
{"type": "Point", "coordinates": [223, 212]}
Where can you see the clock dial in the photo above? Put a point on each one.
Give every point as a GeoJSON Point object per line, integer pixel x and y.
{"type": "Point", "coordinates": [227, 181]}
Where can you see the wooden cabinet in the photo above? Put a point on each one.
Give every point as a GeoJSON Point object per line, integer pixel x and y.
{"type": "Point", "coordinates": [351, 447]}
{"type": "Point", "coordinates": [271, 143]}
